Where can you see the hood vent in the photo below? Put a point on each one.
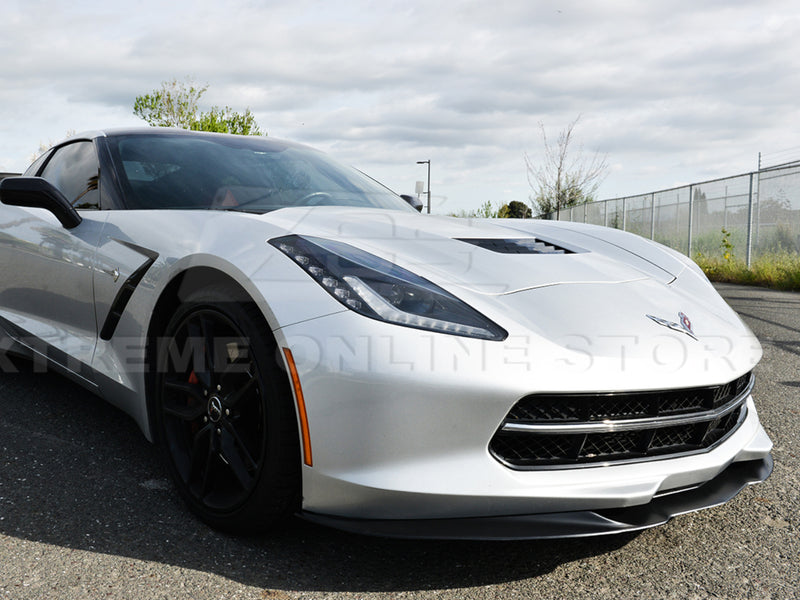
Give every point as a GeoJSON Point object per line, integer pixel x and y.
{"type": "Point", "coordinates": [517, 246]}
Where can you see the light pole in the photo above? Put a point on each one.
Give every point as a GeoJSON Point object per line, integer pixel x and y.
{"type": "Point", "coordinates": [427, 162]}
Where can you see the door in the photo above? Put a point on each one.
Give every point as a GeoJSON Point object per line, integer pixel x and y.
{"type": "Point", "coordinates": [46, 289]}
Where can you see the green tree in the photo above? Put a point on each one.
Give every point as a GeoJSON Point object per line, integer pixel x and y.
{"type": "Point", "coordinates": [176, 104]}
{"type": "Point", "coordinates": [486, 211]}
{"type": "Point", "coordinates": [227, 121]}
{"type": "Point", "coordinates": [565, 177]}
{"type": "Point", "coordinates": [514, 210]}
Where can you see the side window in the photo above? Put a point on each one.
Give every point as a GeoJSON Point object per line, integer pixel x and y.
{"type": "Point", "coordinates": [37, 164]}
{"type": "Point", "coordinates": [74, 170]}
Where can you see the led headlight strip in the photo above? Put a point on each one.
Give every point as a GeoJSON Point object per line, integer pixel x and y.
{"type": "Point", "coordinates": [384, 291]}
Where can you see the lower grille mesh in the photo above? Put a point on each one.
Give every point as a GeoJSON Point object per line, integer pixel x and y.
{"type": "Point", "coordinates": [577, 429]}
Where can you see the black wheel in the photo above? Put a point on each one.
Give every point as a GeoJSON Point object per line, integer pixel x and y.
{"type": "Point", "coordinates": [224, 414]}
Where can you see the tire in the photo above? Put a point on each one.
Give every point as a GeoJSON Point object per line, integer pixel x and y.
{"type": "Point", "coordinates": [224, 414]}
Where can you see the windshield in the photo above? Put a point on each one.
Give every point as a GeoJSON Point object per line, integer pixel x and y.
{"type": "Point", "coordinates": [237, 173]}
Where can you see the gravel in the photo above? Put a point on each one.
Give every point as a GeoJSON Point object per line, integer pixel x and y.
{"type": "Point", "coordinates": [87, 511]}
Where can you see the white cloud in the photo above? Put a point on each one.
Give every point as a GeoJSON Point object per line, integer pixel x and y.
{"type": "Point", "coordinates": [672, 92]}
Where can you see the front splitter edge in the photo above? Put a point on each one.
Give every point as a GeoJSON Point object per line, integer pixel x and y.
{"type": "Point", "coordinates": [658, 511]}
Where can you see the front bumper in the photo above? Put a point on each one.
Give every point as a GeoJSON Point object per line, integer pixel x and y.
{"type": "Point", "coordinates": [401, 421]}
{"type": "Point", "coordinates": [564, 524]}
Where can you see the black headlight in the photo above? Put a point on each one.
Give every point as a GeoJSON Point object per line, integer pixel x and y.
{"type": "Point", "coordinates": [384, 291]}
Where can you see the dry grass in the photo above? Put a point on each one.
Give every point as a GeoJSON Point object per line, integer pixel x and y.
{"type": "Point", "coordinates": [777, 270]}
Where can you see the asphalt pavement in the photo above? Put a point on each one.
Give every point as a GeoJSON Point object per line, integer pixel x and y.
{"type": "Point", "coordinates": [87, 512]}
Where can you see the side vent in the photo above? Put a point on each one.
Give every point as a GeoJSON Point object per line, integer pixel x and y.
{"type": "Point", "coordinates": [517, 246]}
{"type": "Point", "coordinates": [126, 290]}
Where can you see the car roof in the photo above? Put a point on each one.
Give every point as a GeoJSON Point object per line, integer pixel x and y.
{"type": "Point", "coordinates": [168, 131]}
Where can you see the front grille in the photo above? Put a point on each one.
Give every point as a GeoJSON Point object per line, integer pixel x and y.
{"type": "Point", "coordinates": [562, 430]}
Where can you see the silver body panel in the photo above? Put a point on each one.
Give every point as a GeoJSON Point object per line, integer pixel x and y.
{"type": "Point", "coordinates": [400, 419]}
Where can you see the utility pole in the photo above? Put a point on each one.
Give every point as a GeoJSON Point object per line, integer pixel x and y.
{"type": "Point", "coordinates": [427, 162]}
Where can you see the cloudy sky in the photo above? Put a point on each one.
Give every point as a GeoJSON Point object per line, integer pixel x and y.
{"type": "Point", "coordinates": [671, 92]}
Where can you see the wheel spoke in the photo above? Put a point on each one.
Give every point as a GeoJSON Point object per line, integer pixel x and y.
{"type": "Point", "coordinates": [186, 387]}
{"type": "Point", "coordinates": [201, 338]}
{"type": "Point", "coordinates": [198, 451]}
{"type": "Point", "coordinates": [184, 413]}
{"type": "Point", "coordinates": [208, 466]}
{"type": "Point", "coordinates": [194, 406]}
{"type": "Point", "coordinates": [235, 455]}
{"type": "Point", "coordinates": [236, 367]}
{"type": "Point", "coordinates": [236, 396]}
{"type": "Point", "coordinates": [207, 326]}
{"type": "Point", "coordinates": [251, 464]}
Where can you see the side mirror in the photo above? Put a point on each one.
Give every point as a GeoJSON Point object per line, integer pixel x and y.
{"type": "Point", "coordinates": [35, 192]}
{"type": "Point", "coordinates": [413, 201]}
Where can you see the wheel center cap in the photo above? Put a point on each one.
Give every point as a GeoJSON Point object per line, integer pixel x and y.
{"type": "Point", "coordinates": [214, 409]}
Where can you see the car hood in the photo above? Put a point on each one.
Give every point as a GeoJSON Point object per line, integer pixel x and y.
{"type": "Point", "coordinates": [487, 256]}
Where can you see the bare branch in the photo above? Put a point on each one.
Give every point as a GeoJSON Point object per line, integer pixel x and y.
{"type": "Point", "coordinates": [565, 177]}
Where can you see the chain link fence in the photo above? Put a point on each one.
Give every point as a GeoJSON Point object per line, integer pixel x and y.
{"type": "Point", "coordinates": [758, 213]}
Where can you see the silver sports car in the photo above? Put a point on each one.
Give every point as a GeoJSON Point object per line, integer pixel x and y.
{"type": "Point", "coordinates": [299, 339]}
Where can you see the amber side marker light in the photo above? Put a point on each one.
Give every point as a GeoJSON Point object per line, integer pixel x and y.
{"type": "Point", "coordinates": [301, 407]}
